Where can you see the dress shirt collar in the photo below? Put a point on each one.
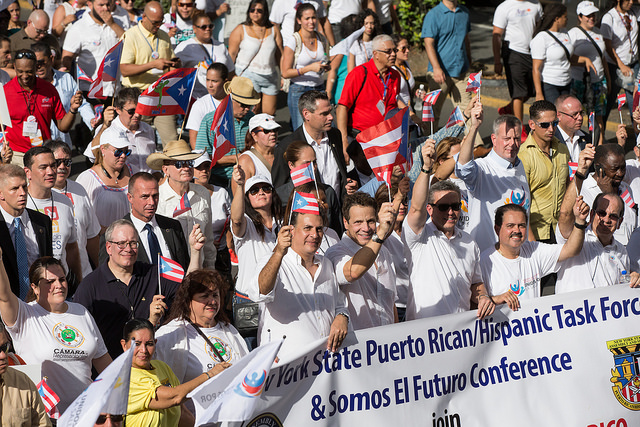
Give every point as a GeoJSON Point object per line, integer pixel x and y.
{"type": "Point", "coordinates": [8, 218]}
{"type": "Point", "coordinates": [139, 224]}
{"type": "Point", "coordinates": [311, 141]}
{"type": "Point", "coordinates": [502, 162]}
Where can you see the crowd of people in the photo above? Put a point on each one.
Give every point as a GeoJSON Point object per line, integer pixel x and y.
{"type": "Point", "coordinates": [293, 237]}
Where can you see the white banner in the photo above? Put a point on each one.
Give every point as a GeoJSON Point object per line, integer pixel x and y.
{"type": "Point", "coordinates": [566, 360]}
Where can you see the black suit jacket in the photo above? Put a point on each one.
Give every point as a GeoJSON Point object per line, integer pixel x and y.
{"type": "Point", "coordinates": [280, 169]}
{"type": "Point", "coordinates": [173, 236]}
{"type": "Point", "coordinates": [41, 224]}
{"type": "Point", "coordinates": [582, 142]}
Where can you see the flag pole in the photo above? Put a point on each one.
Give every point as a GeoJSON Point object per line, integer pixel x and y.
{"type": "Point", "coordinates": [389, 190]}
{"type": "Point", "coordinates": [159, 281]}
{"type": "Point", "coordinates": [431, 130]}
{"type": "Point", "coordinates": [186, 113]}
{"type": "Point", "coordinates": [620, 112]}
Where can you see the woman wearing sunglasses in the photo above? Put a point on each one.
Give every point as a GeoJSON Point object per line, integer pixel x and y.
{"type": "Point", "coordinates": [135, 15]}
{"type": "Point", "coordinates": [256, 47]}
{"type": "Point", "coordinates": [201, 51]}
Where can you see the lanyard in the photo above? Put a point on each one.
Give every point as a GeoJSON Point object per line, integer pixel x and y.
{"type": "Point", "coordinates": [628, 28]}
{"type": "Point", "coordinates": [150, 47]}
{"type": "Point", "coordinates": [27, 100]}
{"type": "Point", "coordinates": [385, 84]}
{"type": "Point", "coordinates": [51, 215]}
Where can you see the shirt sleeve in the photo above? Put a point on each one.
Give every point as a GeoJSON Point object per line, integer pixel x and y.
{"type": "Point", "coordinates": [538, 47]}
{"type": "Point", "coordinates": [429, 26]}
{"type": "Point", "coordinates": [546, 256]}
{"type": "Point", "coordinates": [606, 27]}
{"type": "Point", "coordinates": [72, 43]}
{"type": "Point", "coordinates": [352, 86]}
{"type": "Point", "coordinates": [128, 55]}
{"type": "Point", "coordinates": [339, 258]}
{"type": "Point", "coordinates": [500, 17]}
{"type": "Point", "coordinates": [202, 141]}
{"type": "Point", "coordinates": [277, 13]}
{"type": "Point", "coordinates": [59, 111]}
{"type": "Point", "coordinates": [468, 173]}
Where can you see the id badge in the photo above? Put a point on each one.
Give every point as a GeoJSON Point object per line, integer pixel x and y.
{"type": "Point", "coordinates": [36, 140]}
{"type": "Point", "coordinates": [381, 107]}
{"type": "Point", "coordinates": [30, 127]}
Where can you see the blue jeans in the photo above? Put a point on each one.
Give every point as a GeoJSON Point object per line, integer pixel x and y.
{"type": "Point", "coordinates": [552, 92]}
{"type": "Point", "coordinates": [295, 92]}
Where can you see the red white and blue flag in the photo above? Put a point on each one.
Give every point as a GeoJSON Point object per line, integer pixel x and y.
{"type": "Point", "coordinates": [105, 83]}
{"type": "Point", "coordinates": [474, 82]}
{"type": "Point", "coordinates": [302, 174]}
{"type": "Point", "coordinates": [171, 270]}
{"type": "Point", "coordinates": [169, 95]}
{"type": "Point", "coordinates": [622, 99]}
{"type": "Point", "coordinates": [224, 134]}
{"type": "Point", "coordinates": [573, 168]}
{"type": "Point", "coordinates": [386, 145]}
{"type": "Point", "coordinates": [82, 75]}
{"type": "Point", "coordinates": [305, 203]}
{"type": "Point", "coordinates": [456, 118]}
{"type": "Point", "coordinates": [183, 206]}
{"type": "Point", "coordinates": [49, 398]}
{"type": "Point", "coordinates": [628, 199]}
{"type": "Point", "coordinates": [592, 121]}
{"type": "Point", "coordinates": [431, 97]}
{"type": "Point", "coordinates": [427, 113]}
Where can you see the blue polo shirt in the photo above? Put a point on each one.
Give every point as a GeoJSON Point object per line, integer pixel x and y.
{"type": "Point", "coordinates": [448, 29]}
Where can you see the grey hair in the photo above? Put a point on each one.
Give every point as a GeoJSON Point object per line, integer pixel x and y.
{"type": "Point", "coordinates": [115, 224]}
{"type": "Point", "coordinates": [309, 100]}
{"type": "Point", "coordinates": [379, 40]}
{"type": "Point", "coordinates": [510, 121]}
{"type": "Point", "coordinates": [445, 185]}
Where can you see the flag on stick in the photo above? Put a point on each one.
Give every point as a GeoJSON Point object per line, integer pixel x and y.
{"type": "Point", "coordinates": [302, 174]}
{"type": "Point", "coordinates": [107, 77]}
{"type": "Point", "coordinates": [49, 398]}
{"type": "Point", "coordinates": [305, 203]}
{"type": "Point", "coordinates": [474, 82]}
{"type": "Point", "coordinates": [169, 95]}
{"type": "Point", "coordinates": [171, 270]}
{"type": "Point", "coordinates": [222, 127]}
{"type": "Point", "coordinates": [456, 118]}
{"type": "Point", "coordinates": [573, 168]}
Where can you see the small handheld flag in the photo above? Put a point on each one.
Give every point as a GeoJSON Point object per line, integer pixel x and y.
{"type": "Point", "coordinates": [474, 82]}
{"type": "Point", "coordinates": [183, 207]}
{"type": "Point", "coordinates": [170, 94]}
{"type": "Point", "coordinates": [171, 270]}
{"type": "Point", "coordinates": [82, 75]}
{"type": "Point", "coordinates": [622, 99]}
{"type": "Point", "coordinates": [573, 168]}
{"type": "Point", "coordinates": [222, 127]}
{"type": "Point", "coordinates": [427, 113]}
{"type": "Point", "coordinates": [592, 120]}
{"type": "Point", "coordinates": [432, 97]}
{"type": "Point", "coordinates": [456, 118]}
{"type": "Point", "coordinates": [628, 199]}
{"type": "Point", "coordinates": [49, 398]}
{"type": "Point", "coordinates": [302, 174]}
{"type": "Point", "coordinates": [305, 203]}
{"type": "Point", "coordinates": [107, 77]}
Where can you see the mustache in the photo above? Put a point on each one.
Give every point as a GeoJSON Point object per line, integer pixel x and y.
{"type": "Point", "coordinates": [516, 234]}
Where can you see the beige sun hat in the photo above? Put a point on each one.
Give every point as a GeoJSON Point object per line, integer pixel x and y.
{"type": "Point", "coordinates": [242, 91]}
{"type": "Point", "coordinates": [174, 150]}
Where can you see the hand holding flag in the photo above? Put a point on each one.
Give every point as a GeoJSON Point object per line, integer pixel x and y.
{"type": "Point", "coordinates": [474, 82]}
{"type": "Point", "coordinates": [456, 118]}
{"type": "Point", "coordinates": [170, 94]}
{"type": "Point", "coordinates": [222, 127]}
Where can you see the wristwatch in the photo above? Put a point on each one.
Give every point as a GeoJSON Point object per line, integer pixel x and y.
{"type": "Point", "coordinates": [377, 239]}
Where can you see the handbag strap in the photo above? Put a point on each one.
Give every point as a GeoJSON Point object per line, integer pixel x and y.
{"type": "Point", "coordinates": [215, 350]}
{"type": "Point", "coordinates": [257, 51]}
{"type": "Point", "coordinates": [591, 40]}
{"type": "Point", "coordinates": [566, 51]}
{"type": "Point", "coordinates": [261, 158]}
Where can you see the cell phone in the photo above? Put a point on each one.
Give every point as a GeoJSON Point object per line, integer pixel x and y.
{"type": "Point", "coordinates": [599, 172]}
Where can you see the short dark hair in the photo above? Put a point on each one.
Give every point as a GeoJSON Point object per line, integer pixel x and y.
{"type": "Point", "coordinates": [36, 272]}
{"type": "Point", "coordinates": [605, 150]}
{"type": "Point", "coordinates": [144, 176]}
{"type": "Point", "coordinates": [446, 185]}
{"type": "Point", "coordinates": [55, 145]}
{"type": "Point", "coordinates": [511, 207]}
{"type": "Point", "coordinates": [194, 283]}
{"type": "Point", "coordinates": [126, 94]}
{"type": "Point", "coordinates": [41, 47]}
{"type": "Point", "coordinates": [309, 99]}
{"type": "Point", "coordinates": [33, 152]}
{"type": "Point", "coordinates": [357, 199]}
{"type": "Point", "coordinates": [222, 70]}
{"type": "Point", "coordinates": [539, 107]}
{"type": "Point", "coordinates": [135, 325]}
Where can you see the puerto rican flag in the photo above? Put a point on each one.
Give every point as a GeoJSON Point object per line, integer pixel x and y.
{"type": "Point", "coordinates": [183, 207]}
{"type": "Point", "coordinates": [82, 75]}
{"type": "Point", "coordinates": [49, 398]}
{"type": "Point", "coordinates": [592, 121]}
{"type": "Point", "coordinates": [386, 145]}
{"type": "Point", "coordinates": [105, 83]}
{"type": "Point", "coordinates": [628, 199]}
{"type": "Point", "coordinates": [305, 203]}
{"type": "Point", "coordinates": [474, 82]}
{"type": "Point", "coordinates": [573, 168]}
{"type": "Point", "coordinates": [427, 113]}
{"type": "Point", "coordinates": [224, 134]}
{"type": "Point", "coordinates": [169, 95]}
{"type": "Point", "coordinates": [302, 174]}
{"type": "Point", "coordinates": [622, 99]}
{"type": "Point", "coordinates": [432, 97]}
{"type": "Point", "coordinates": [456, 118]}
{"type": "Point", "coordinates": [171, 270]}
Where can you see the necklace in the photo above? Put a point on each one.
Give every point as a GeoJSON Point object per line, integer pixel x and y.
{"type": "Point", "coordinates": [51, 214]}
{"type": "Point", "coordinates": [311, 42]}
{"type": "Point", "coordinates": [109, 176]}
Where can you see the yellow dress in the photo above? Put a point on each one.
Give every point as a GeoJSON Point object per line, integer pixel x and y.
{"type": "Point", "coordinates": [142, 389]}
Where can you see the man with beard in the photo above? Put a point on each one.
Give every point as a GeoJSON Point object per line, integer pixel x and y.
{"type": "Point", "coordinates": [90, 38]}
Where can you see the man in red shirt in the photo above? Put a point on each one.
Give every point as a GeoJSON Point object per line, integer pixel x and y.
{"type": "Point", "coordinates": [33, 104]}
{"type": "Point", "coordinates": [370, 91]}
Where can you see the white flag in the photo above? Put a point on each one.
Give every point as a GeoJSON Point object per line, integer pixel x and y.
{"type": "Point", "coordinates": [108, 394]}
{"type": "Point", "coordinates": [4, 108]}
{"type": "Point", "coordinates": [342, 47]}
{"type": "Point", "coordinates": [233, 394]}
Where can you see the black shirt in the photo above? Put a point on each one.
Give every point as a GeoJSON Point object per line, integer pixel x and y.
{"type": "Point", "coordinates": [112, 303]}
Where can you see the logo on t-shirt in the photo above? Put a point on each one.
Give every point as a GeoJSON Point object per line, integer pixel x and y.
{"type": "Point", "coordinates": [518, 197]}
{"type": "Point", "coordinates": [68, 335]}
{"type": "Point", "coordinates": [221, 347]}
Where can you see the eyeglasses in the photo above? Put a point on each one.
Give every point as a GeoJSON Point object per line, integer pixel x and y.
{"type": "Point", "coordinates": [575, 115]}
{"type": "Point", "coordinates": [256, 10]}
{"type": "Point", "coordinates": [120, 151]}
{"type": "Point", "coordinates": [40, 63]}
{"type": "Point", "coordinates": [27, 55]}
{"type": "Point", "coordinates": [389, 51]}
{"type": "Point", "coordinates": [545, 125]}
{"type": "Point", "coordinates": [130, 111]}
{"type": "Point", "coordinates": [603, 214]}
{"type": "Point", "coordinates": [4, 348]}
{"type": "Point", "coordinates": [244, 105]}
{"type": "Point", "coordinates": [66, 162]}
{"type": "Point", "coordinates": [179, 164]}
{"type": "Point", "coordinates": [267, 189]}
{"type": "Point", "coordinates": [39, 31]}
{"type": "Point", "coordinates": [266, 131]}
{"type": "Point", "coordinates": [185, 4]}
{"type": "Point", "coordinates": [444, 207]}
{"type": "Point", "coordinates": [123, 245]}
{"type": "Point", "coordinates": [204, 27]}
{"type": "Point", "coordinates": [156, 23]}
{"type": "Point", "coordinates": [114, 418]}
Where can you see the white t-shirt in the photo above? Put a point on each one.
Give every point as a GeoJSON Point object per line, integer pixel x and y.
{"type": "Point", "coordinates": [340, 9]}
{"type": "Point", "coordinates": [632, 175]}
{"type": "Point", "coordinates": [192, 53]}
{"type": "Point", "coordinates": [220, 213]}
{"type": "Point", "coordinates": [306, 57]}
{"type": "Point", "coordinates": [595, 266]}
{"type": "Point", "coordinates": [442, 271]}
{"type": "Point", "coordinates": [372, 297]}
{"type": "Point", "coordinates": [555, 68]}
{"type": "Point", "coordinates": [109, 203]}
{"type": "Point", "coordinates": [188, 354]}
{"type": "Point", "coordinates": [465, 215]}
{"type": "Point", "coordinates": [363, 51]}
{"type": "Point", "coordinates": [521, 275]}
{"type": "Point", "coordinates": [283, 13]}
{"type": "Point", "coordinates": [199, 109]}
{"type": "Point", "coordinates": [63, 225]}
{"type": "Point", "coordinates": [623, 42]}
{"type": "Point", "coordinates": [184, 31]}
{"type": "Point", "coordinates": [518, 19]}
{"type": "Point", "coordinates": [65, 344]}
{"type": "Point", "coordinates": [86, 221]}
{"type": "Point", "coordinates": [582, 46]}
{"type": "Point", "coordinates": [491, 182]}
{"type": "Point", "coordinates": [397, 249]}
{"type": "Point", "coordinates": [406, 86]}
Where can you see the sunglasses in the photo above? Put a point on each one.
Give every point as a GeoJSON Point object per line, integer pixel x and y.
{"type": "Point", "coordinates": [114, 418]}
{"type": "Point", "coordinates": [66, 162]}
{"type": "Point", "coordinates": [403, 49]}
{"type": "Point", "coordinates": [179, 164]}
{"type": "Point", "coordinates": [185, 4]}
{"type": "Point", "coordinates": [444, 207]}
{"type": "Point", "coordinates": [27, 55]}
{"type": "Point", "coordinates": [204, 27]}
{"type": "Point", "coordinates": [603, 214]}
{"type": "Point", "coordinates": [389, 51]}
{"type": "Point", "coordinates": [40, 63]}
{"type": "Point", "coordinates": [267, 189]}
{"type": "Point", "coordinates": [120, 151]}
{"type": "Point", "coordinates": [256, 10]}
{"type": "Point", "coordinates": [266, 131]}
{"type": "Point", "coordinates": [545, 125]}
{"type": "Point", "coordinates": [4, 348]}
{"type": "Point", "coordinates": [130, 111]}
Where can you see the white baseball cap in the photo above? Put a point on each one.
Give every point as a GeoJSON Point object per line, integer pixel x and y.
{"type": "Point", "coordinates": [586, 8]}
{"type": "Point", "coordinates": [202, 159]}
{"type": "Point", "coordinates": [256, 179]}
{"type": "Point", "coordinates": [264, 121]}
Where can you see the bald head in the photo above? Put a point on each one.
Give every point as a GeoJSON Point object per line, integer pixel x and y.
{"type": "Point", "coordinates": [153, 17]}
{"type": "Point", "coordinates": [37, 25]}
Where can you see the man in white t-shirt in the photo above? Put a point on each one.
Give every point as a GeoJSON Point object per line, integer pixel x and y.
{"type": "Point", "coordinates": [40, 167]}
{"type": "Point", "coordinates": [299, 289]}
{"type": "Point", "coordinates": [513, 267]}
{"type": "Point", "coordinates": [514, 22]}
{"type": "Point", "coordinates": [444, 261]}
{"type": "Point", "coordinates": [364, 268]}
{"type": "Point", "coordinates": [494, 180]}
{"type": "Point", "coordinates": [90, 38]}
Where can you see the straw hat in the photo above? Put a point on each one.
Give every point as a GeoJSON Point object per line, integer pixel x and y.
{"type": "Point", "coordinates": [174, 150]}
{"type": "Point", "coordinates": [242, 91]}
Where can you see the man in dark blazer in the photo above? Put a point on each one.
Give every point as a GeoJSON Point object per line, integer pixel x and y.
{"type": "Point", "coordinates": [36, 227]}
{"type": "Point", "coordinates": [317, 131]}
{"type": "Point", "coordinates": [143, 197]}
{"type": "Point", "coordinates": [570, 118]}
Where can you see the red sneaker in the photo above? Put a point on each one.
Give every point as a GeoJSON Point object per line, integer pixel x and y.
{"type": "Point", "coordinates": [506, 110]}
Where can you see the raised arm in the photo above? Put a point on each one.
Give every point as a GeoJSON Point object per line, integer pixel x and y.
{"type": "Point", "coordinates": [8, 300]}
{"type": "Point", "coordinates": [566, 217]}
{"type": "Point", "coordinates": [573, 245]}
{"type": "Point", "coordinates": [269, 273]}
{"type": "Point", "coordinates": [417, 216]}
{"type": "Point", "coordinates": [196, 243]}
{"type": "Point", "coordinates": [466, 148]}
{"type": "Point", "coordinates": [238, 221]}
